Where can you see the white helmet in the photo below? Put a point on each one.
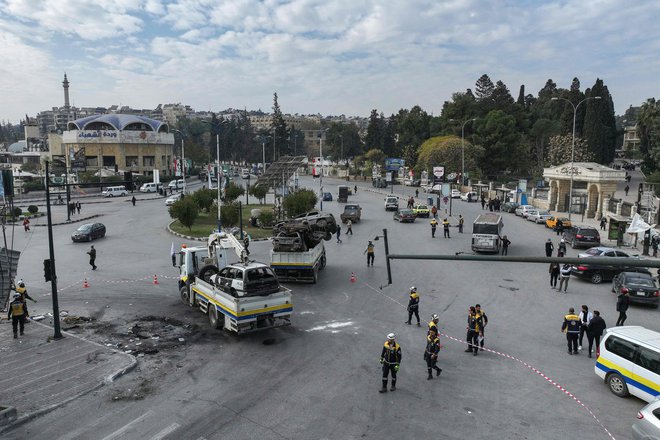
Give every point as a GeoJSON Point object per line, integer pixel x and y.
{"type": "Point", "coordinates": [391, 337]}
{"type": "Point", "coordinates": [413, 289]}
{"type": "Point", "coordinates": [21, 283]}
{"type": "Point", "coordinates": [435, 317]}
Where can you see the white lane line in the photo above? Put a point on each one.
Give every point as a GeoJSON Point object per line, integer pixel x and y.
{"type": "Point", "coordinates": [126, 427]}
{"type": "Point", "coordinates": [165, 431]}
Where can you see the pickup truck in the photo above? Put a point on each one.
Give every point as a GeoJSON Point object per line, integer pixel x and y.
{"type": "Point", "coordinates": [351, 212]}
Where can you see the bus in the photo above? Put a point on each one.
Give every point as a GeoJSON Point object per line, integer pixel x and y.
{"type": "Point", "coordinates": [487, 233]}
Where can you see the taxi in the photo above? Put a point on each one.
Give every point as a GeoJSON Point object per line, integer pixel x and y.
{"type": "Point", "coordinates": [552, 222]}
{"type": "Point", "coordinates": [422, 211]}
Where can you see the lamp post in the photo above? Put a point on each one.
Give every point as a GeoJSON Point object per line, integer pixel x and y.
{"type": "Point", "coordinates": [463, 148]}
{"type": "Point", "coordinates": [575, 107]}
{"type": "Point", "coordinates": [321, 177]}
{"type": "Point", "coordinates": [217, 173]}
{"type": "Point", "coordinates": [183, 160]}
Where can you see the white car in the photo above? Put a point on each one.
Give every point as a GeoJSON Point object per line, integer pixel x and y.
{"type": "Point", "coordinates": [538, 216]}
{"type": "Point", "coordinates": [172, 199]}
{"type": "Point", "coordinates": [455, 194]}
{"type": "Point", "coordinates": [523, 210]}
{"type": "Point", "coordinates": [470, 196]}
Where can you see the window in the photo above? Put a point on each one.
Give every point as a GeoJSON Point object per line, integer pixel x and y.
{"type": "Point", "coordinates": [148, 161]}
{"type": "Point", "coordinates": [649, 359]}
{"type": "Point", "coordinates": [621, 347]}
{"type": "Point", "coordinates": [132, 161]}
{"type": "Point", "coordinates": [621, 254]}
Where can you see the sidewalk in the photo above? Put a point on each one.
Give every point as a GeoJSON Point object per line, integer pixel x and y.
{"type": "Point", "coordinates": [40, 374]}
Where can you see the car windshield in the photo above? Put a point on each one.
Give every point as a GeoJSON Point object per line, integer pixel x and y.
{"type": "Point", "coordinates": [85, 228]}
{"type": "Point", "coordinates": [639, 281]}
{"type": "Point", "coordinates": [544, 213]}
{"type": "Point", "coordinates": [351, 208]}
{"type": "Point", "coordinates": [406, 212]}
{"type": "Point", "coordinates": [593, 251]}
{"type": "Point", "coordinates": [422, 207]}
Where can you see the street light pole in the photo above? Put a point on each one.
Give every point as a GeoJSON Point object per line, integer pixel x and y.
{"type": "Point", "coordinates": [217, 172]}
{"type": "Point", "coordinates": [321, 177]}
{"type": "Point", "coordinates": [463, 148]}
{"type": "Point", "coordinates": [575, 107]}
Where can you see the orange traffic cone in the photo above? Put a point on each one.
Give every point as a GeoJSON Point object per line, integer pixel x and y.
{"type": "Point", "coordinates": [85, 284]}
{"type": "Point", "coordinates": [353, 279]}
{"type": "Point", "coordinates": [156, 279]}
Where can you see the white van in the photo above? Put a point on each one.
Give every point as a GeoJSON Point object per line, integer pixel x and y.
{"type": "Point", "coordinates": [629, 362]}
{"type": "Point", "coordinates": [176, 184]}
{"type": "Point", "coordinates": [150, 187]}
{"type": "Point", "coordinates": [113, 191]}
{"type": "Point", "coordinates": [245, 173]}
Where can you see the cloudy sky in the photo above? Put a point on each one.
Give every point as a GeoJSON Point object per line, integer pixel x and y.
{"type": "Point", "coordinates": [329, 57]}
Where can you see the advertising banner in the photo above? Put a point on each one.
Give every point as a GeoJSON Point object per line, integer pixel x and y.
{"type": "Point", "coordinates": [438, 174]}
{"type": "Point", "coordinates": [393, 164]}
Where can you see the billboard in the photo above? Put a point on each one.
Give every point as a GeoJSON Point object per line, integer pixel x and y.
{"type": "Point", "coordinates": [393, 164]}
{"type": "Point", "coordinates": [438, 174]}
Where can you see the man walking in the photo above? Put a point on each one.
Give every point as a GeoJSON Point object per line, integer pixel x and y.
{"type": "Point", "coordinates": [431, 354]}
{"type": "Point", "coordinates": [571, 327]}
{"type": "Point", "coordinates": [413, 306]}
{"type": "Point", "coordinates": [390, 359]}
{"type": "Point", "coordinates": [434, 212]}
{"type": "Point", "coordinates": [92, 257]}
{"type": "Point", "coordinates": [554, 274]}
{"type": "Point", "coordinates": [349, 227]}
{"type": "Point", "coordinates": [474, 328]}
{"type": "Point", "coordinates": [483, 202]}
{"type": "Point", "coordinates": [370, 254]}
{"type": "Point", "coordinates": [585, 318]}
{"type": "Point", "coordinates": [622, 302]}
{"type": "Point", "coordinates": [505, 245]}
{"type": "Point", "coordinates": [565, 275]}
{"type": "Point", "coordinates": [461, 220]}
{"type": "Point", "coordinates": [595, 330]}
{"type": "Point", "coordinates": [26, 224]}
{"type": "Point", "coordinates": [339, 233]}
{"type": "Point", "coordinates": [559, 227]}
{"type": "Point", "coordinates": [626, 189]}
{"type": "Point", "coordinates": [434, 225]}
{"type": "Point", "coordinates": [417, 194]}
{"type": "Point", "coordinates": [133, 200]}
{"type": "Point", "coordinates": [484, 322]}
{"type": "Point", "coordinates": [445, 225]}
{"type": "Point", "coordinates": [549, 247]}
{"type": "Point", "coordinates": [603, 223]}
{"type": "Point", "coordinates": [17, 312]}
{"type": "Point", "coordinates": [78, 207]}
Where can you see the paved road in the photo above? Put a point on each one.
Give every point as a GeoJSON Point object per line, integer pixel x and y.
{"type": "Point", "coordinates": [319, 378]}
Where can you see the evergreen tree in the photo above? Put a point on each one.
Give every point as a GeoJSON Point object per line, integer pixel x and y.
{"type": "Point", "coordinates": [648, 127]}
{"type": "Point", "coordinates": [501, 97]}
{"type": "Point", "coordinates": [559, 150]}
{"type": "Point", "coordinates": [484, 88]}
{"type": "Point", "coordinates": [278, 129]}
{"type": "Point", "coordinates": [548, 91]}
{"type": "Point", "coordinates": [599, 128]}
{"type": "Point", "coordinates": [375, 131]}
{"type": "Point", "coordinates": [521, 96]}
{"type": "Point", "coordinates": [498, 135]}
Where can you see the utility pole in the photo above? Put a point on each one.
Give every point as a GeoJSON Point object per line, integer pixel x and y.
{"type": "Point", "coordinates": [51, 252]}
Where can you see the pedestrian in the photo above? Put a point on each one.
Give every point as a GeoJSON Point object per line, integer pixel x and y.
{"type": "Point", "coordinates": [78, 207]}
{"type": "Point", "coordinates": [349, 227]}
{"type": "Point", "coordinates": [445, 225]}
{"type": "Point", "coordinates": [505, 245]}
{"type": "Point", "coordinates": [246, 244]}
{"type": "Point", "coordinates": [390, 359]}
{"type": "Point", "coordinates": [565, 275]}
{"type": "Point", "coordinates": [411, 203]}
{"type": "Point", "coordinates": [431, 354]}
{"type": "Point", "coordinates": [561, 250]}
{"type": "Point", "coordinates": [434, 212]}
{"type": "Point", "coordinates": [483, 202]}
{"type": "Point", "coordinates": [22, 291]}
{"type": "Point", "coordinates": [622, 303]}
{"type": "Point", "coordinates": [26, 224]}
{"type": "Point", "coordinates": [339, 234]}
{"type": "Point", "coordinates": [355, 189]}
{"type": "Point", "coordinates": [603, 223]}
{"type": "Point", "coordinates": [17, 312]}
{"type": "Point", "coordinates": [491, 205]}
{"type": "Point", "coordinates": [416, 193]}
{"type": "Point", "coordinates": [571, 327]}
{"type": "Point", "coordinates": [461, 220]}
{"type": "Point", "coordinates": [370, 254]}
{"type": "Point", "coordinates": [433, 325]}
{"type": "Point", "coordinates": [434, 224]}
{"type": "Point", "coordinates": [173, 255]}
{"type": "Point", "coordinates": [413, 306]}
{"type": "Point", "coordinates": [626, 189]}
{"type": "Point", "coordinates": [554, 274]}
{"type": "Point", "coordinates": [595, 330]}
{"type": "Point", "coordinates": [585, 318]}
{"type": "Point", "coordinates": [559, 227]}
{"type": "Point", "coordinates": [473, 331]}
{"type": "Point", "coordinates": [92, 257]}
{"type": "Point", "coordinates": [484, 322]}
{"type": "Point", "coordinates": [549, 247]}
{"type": "Point", "coordinates": [133, 200]}
{"type": "Point", "coordinates": [654, 245]}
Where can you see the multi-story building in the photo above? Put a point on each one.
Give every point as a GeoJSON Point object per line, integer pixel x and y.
{"type": "Point", "coordinates": [631, 139]}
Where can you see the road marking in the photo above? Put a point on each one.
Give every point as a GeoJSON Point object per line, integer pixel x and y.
{"type": "Point", "coordinates": [126, 427]}
{"type": "Point", "coordinates": [165, 431]}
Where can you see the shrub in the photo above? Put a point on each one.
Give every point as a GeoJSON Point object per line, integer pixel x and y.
{"type": "Point", "coordinates": [204, 198]}
{"type": "Point", "coordinates": [184, 210]}
{"type": "Point", "coordinates": [299, 202]}
{"type": "Point", "coordinates": [266, 219]}
{"type": "Point", "coordinates": [233, 191]}
{"type": "Point", "coordinates": [259, 192]}
{"type": "Point", "coordinates": [35, 185]}
{"type": "Point", "coordinates": [32, 209]}
{"type": "Point", "coordinates": [229, 214]}
{"type": "Point", "coordinates": [16, 212]}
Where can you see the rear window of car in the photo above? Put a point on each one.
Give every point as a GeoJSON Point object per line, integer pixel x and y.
{"type": "Point", "coordinates": [620, 347]}
{"type": "Point", "coordinates": [593, 252]}
{"type": "Point", "coordinates": [589, 232]}
{"type": "Point", "coordinates": [639, 281]}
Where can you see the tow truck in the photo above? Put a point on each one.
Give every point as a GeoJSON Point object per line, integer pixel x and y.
{"type": "Point", "coordinates": [240, 297]}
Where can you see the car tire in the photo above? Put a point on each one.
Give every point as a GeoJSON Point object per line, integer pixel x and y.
{"type": "Point", "coordinates": [184, 293]}
{"type": "Point", "coordinates": [110, 195]}
{"type": "Point", "coordinates": [617, 384]}
{"type": "Point", "coordinates": [597, 278]}
{"type": "Point", "coordinates": [573, 244]}
{"type": "Point", "coordinates": [206, 272]}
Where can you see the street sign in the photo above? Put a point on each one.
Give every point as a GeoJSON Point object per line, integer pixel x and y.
{"type": "Point", "coordinates": [451, 176]}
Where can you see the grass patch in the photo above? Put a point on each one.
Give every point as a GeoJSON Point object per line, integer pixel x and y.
{"type": "Point", "coordinates": [206, 223]}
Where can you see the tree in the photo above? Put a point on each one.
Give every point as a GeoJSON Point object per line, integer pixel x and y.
{"type": "Point", "coordinates": [599, 123]}
{"type": "Point", "coordinates": [204, 198]}
{"type": "Point", "coordinates": [30, 167]}
{"type": "Point", "coordinates": [446, 151]}
{"type": "Point", "coordinates": [233, 191]}
{"type": "Point", "coordinates": [229, 214]}
{"type": "Point", "coordinates": [484, 88]}
{"type": "Point", "coordinates": [648, 127]}
{"type": "Point", "coordinates": [278, 128]}
{"type": "Point", "coordinates": [184, 210]}
{"type": "Point", "coordinates": [299, 202]}
{"type": "Point", "coordinates": [376, 128]}
{"type": "Point", "coordinates": [540, 134]}
{"type": "Point", "coordinates": [498, 136]}
{"type": "Point", "coordinates": [559, 150]}
{"type": "Point", "coordinates": [259, 191]}
{"type": "Point", "coordinates": [412, 128]}
{"type": "Point", "coordinates": [375, 156]}
{"type": "Point", "coordinates": [501, 97]}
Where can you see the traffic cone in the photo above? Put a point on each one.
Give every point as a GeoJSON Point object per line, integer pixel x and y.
{"type": "Point", "coordinates": [85, 284]}
{"type": "Point", "coordinates": [156, 279]}
{"type": "Point", "coordinates": [353, 279]}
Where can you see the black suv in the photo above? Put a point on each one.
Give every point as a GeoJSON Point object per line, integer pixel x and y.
{"type": "Point", "coordinates": [582, 236]}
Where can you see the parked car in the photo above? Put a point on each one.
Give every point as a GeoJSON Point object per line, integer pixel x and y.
{"type": "Point", "coordinates": [405, 215]}
{"type": "Point", "coordinates": [113, 191]}
{"type": "Point", "coordinates": [470, 196]}
{"type": "Point", "coordinates": [582, 236]}
{"type": "Point", "coordinates": [552, 222]}
{"type": "Point", "coordinates": [523, 210]}
{"type": "Point", "coordinates": [455, 194]}
{"type": "Point", "coordinates": [640, 287]}
{"type": "Point", "coordinates": [538, 216]}
{"type": "Point", "coordinates": [351, 212]}
{"type": "Point", "coordinates": [173, 198]}
{"type": "Point", "coordinates": [509, 207]}
{"type": "Point", "coordinates": [647, 425]}
{"type": "Point", "coordinates": [89, 232]}
{"type": "Point", "coordinates": [391, 203]}
{"type": "Point", "coordinates": [597, 273]}
{"type": "Point", "coordinates": [327, 197]}
{"type": "Point", "coordinates": [422, 211]}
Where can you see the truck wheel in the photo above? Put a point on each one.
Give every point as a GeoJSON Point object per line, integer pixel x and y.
{"type": "Point", "coordinates": [208, 270]}
{"type": "Point", "coordinates": [214, 321]}
{"type": "Point", "coordinates": [185, 295]}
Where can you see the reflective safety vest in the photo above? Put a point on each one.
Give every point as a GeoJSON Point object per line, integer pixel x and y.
{"type": "Point", "coordinates": [432, 346]}
{"type": "Point", "coordinates": [434, 223]}
{"type": "Point", "coordinates": [17, 308]}
{"type": "Point", "coordinates": [571, 323]}
{"type": "Point", "coordinates": [413, 303]}
{"type": "Point", "coordinates": [370, 248]}
{"type": "Point", "coordinates": [432, 325]}
{"type": "Point", "coordinates": [391, 355]}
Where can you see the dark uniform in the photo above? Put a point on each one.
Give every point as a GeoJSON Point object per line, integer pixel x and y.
{"type": "Point", "coordinates": [17, 313]}
{"type": "Point", "coordinates": [433, 325]}
{"type": "Point", "coordinates": [571, 326]}
{"type": "Point", "coordinates": [474, 328]}
{"type": "Point", "coordinates": [484, 319]}
{"type": "Point", "coordinates": [431, 355]}
{"type": "Point", "coordinates": [445, 225]}
{"type": "Point", "coordinates": [391, 359]}
{"type": "Point", "coordinates": [22, 290]}
{"type": "Point", "coordinates": [370, 254]}
{"type": "Point", "coordinates": [413, 308]}
{"type": "Point", "coordinates": [434, 224]}
{"type": "Point", "coordinates": [461, 220]}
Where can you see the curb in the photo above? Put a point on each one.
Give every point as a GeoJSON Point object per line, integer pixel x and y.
{"type": "Point", "coordinates": [189, 237]}
{"type": "Point", "coordinates": [7, 415]}
{"type": "Point", "coordinates": [64, 223]}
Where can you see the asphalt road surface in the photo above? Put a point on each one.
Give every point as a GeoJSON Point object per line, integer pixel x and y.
{"type": "Point", "coordinates": [319, 378]}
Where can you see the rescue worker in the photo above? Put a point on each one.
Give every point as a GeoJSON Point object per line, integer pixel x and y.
{"type": "Point", "coordinates": [549, 247]}
{"type": "Point", "coordinates": [562, 247]}
{"type": "Point", "coordinates": [461, 220]}
{"type": "Point", "coordinates": [390, 359]}
{"type": "Point", "coordinates": [370, 254]}
{"type": "Point", "coordinates": [431, 354]}
{"type": "Point", "coordinates": [474, 329]}
{"type": "Point", "coordinates": [559, 227]}
{"type": "Point", "coordinates": [571, 327]}
{"type": "Point", "coordinates": [17, 313]}
{"type": "Point", "coordinates": [433, 325]}
{"type": "Point", "coordinates": [413, 306]}
{"type": "Point", "coordinates": [22, 291]}
{"type": "Point", "coordinates": [484, 319]}
{"type": "Point", "coordinates": [434, 225]}
{"type": "Point", "coordinates": [445, 225]}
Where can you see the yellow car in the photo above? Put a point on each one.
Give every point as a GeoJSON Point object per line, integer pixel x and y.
{"type": "Point", "coordinates": [422, 211]}
{"type": "Point", "coordinates": [552, 222]}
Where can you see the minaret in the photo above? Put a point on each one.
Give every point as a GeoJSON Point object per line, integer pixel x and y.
{"type": "Point", "coordinates": [65, 84]}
